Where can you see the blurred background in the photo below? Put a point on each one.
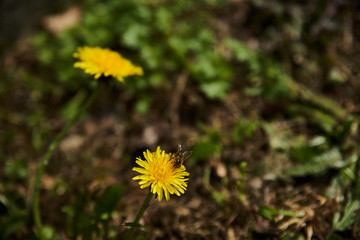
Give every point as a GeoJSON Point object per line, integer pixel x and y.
{"type": "Point", "coordinates": [264, 93]}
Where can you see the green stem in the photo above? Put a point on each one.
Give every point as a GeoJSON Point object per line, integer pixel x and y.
{"type": "Point", "coordinates": [141, 211]}
{"type": "Point", "coordinates": [44, 162]}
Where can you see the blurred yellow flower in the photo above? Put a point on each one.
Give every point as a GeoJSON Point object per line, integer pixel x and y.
{"type": "Point", "coordinates": [158, 172]}
{"type": "Point", "coordinates": [102, 61]}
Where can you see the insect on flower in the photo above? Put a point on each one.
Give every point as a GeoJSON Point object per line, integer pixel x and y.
{"type": "Point", "coordinates": [180, 156]}
{"type": "Point", "coordinates": [158, 172]}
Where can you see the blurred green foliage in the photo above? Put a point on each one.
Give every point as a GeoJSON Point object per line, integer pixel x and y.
{"type": "Point", "coordinates": [93, 222]}
{"type": "Point", "coordinates": [208, 145]}
{"type": "Point", "coordinates": [244, 129]}
{"type": "Point", "coordinates": [271, 213]}
{"type": "Point", "coordinates": [157, 37]}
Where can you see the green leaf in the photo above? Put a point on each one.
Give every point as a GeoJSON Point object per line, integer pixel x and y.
{"type": "Point", "coordinates": [241, 51]}
{"type": "Point", "coordinates": [302, 153]}
{"type": "Point", "coordinates": [319, 163]}
{"type": "Point", "coordinates": [107, 201]}
{"type": "Point", "coordinates": [280, 136]}
{"type": "Point", "coordinates": [333, 236]}
{"type": "Point", "coordinates": [132, 224]}
{"type": "Point", "coordinates": [203, 149]}
{"type": "Point", "coordinates": [215, 90]}
{"type": "Point", "coordinates": [315, 116]}
{"type": "Point", "coordinates": [12, 223]}
{"type": "Point", "coordinates": [348, 217]}
{"type": "Point", "coordinates": [16, 169]}
{"type": "Point", "coordinates": [164, 19]}
{"type": "Point", "coordinates": [270, 213]}
{"type": "Point", "coordinates": [134, 35]}
{"type": "Point", "coordinates": [244, 129]}
{"type": "Point", "coordinates": [219, 197]}
{"type": "Point", "coordinates": [81, 223]}
{"type": "Point", "coordinates": [143, 104]}
{"type": "Point", "coordinates": [207, 146]}
{"type": "Point", "coordinates": [344, 129]}
{"type": "Point", "coordinates": [71, 107]}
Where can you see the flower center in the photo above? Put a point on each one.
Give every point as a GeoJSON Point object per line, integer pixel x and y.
{"type": "Point", "coordinates": [161, 173]}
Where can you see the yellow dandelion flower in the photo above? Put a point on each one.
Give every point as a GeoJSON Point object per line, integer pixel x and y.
{"type": "Point", "coordinates": [102, 61]}
{"type": "Point", "coordinates": [158, 172]}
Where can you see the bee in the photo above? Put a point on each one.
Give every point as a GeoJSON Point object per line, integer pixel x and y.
{"type": "Point", "coordinates": [180, 156]}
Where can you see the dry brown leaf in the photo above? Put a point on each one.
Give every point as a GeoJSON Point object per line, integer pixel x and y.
{"type": "Point", "coordinates": [60, 22]}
